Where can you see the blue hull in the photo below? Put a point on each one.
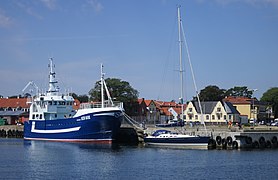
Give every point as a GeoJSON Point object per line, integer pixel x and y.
{"type": "Point", "coordinates": [92, 127]}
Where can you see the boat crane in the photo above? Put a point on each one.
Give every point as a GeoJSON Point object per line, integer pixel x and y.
{"type": "Point", "coordinates": [29, 84]}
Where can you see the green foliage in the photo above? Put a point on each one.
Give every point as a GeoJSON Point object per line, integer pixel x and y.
{"type": "Point", "coordinates": [81, 98]}
{"type": "Point", "coordinates": [119, 90]}
{"type": "Point", "coordinates": [271, 96]}
{"type": "Point", "coordinates": [212, 93]}
{"type": "Point", "coordinates": [239, 92]}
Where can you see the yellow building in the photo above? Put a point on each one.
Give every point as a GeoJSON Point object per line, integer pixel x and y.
{"type": "Point", "coordinates": [246, 106]}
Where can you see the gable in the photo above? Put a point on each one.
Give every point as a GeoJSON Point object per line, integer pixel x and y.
{"type": "Point", "coordinates": [207, 107]}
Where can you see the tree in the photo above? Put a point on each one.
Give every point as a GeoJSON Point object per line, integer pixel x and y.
{"type": "Point", "coordinates": [239, 92]}
{"type": "Point", "coordinates": [212, 93]}
{"type": "Point", "coordinates": [271, 96]}
{"type": "Point", "coordinates": [81, 98]}
{"type": "Point", "coordinates": [119, 90]}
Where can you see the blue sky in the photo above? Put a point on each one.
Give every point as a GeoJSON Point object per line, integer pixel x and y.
{"type": "Point", "coordinates": [231, 43]}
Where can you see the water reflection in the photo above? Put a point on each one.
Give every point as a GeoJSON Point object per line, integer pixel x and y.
{"type": "Point", "coordinates": [65, 145]}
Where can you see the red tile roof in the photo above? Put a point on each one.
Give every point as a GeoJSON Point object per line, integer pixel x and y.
{"type": "Point", "coordinates": [238, 100]}
{"type": "Point", "coordinates": [13, 102]}
{"type": "Point", "coordinates": [21, 102]}
{"type": "Point", "coordinates": [164, 106]}
{"type": "Point", "coordinates": [148, 102]}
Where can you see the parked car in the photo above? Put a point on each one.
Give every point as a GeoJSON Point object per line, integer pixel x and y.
{"type": "Point", "coordinates": [274, 123]}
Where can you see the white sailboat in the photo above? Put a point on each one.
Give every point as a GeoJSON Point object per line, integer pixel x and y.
{"type": "Point", "coordinates": [166, 137]}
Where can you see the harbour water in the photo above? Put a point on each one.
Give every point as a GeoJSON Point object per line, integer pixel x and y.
{"type": "Point", "coordinates": [21, 159]}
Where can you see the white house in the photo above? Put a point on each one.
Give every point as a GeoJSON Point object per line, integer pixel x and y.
{"type": "Point", "coordinates": [214, 112]}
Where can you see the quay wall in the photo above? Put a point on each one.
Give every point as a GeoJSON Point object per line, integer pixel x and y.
{"type": "Point", "coordinates": [12, 131]}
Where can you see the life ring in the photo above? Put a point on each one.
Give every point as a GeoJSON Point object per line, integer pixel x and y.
{"type": "Point", "coordinates": [229, 141]}
{"type": "Point", "coordinates": [218, 140]}
{"type": "Point", "coordinates": [235, 145]}
{"type": "Point", "coordinates": [248, 140]}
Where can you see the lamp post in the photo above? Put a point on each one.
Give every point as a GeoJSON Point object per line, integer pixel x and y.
{"type": "Point", "coordinates": [253, 106]}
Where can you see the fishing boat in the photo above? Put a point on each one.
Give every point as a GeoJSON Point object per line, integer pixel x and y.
{"type": "Point", "coordinates": [164, 137]}
{"type": "Point", "coordinates": [53, 118]}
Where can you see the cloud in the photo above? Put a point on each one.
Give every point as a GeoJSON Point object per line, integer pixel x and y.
{"type": "Point", "coordinates": [96, 5]}
{"type": "Point", "coordinates": [28, 9]}
{"type": "Point", "coordinates": [50, 4]}
{"type": "Point", "coordinates": [5, 21]}
{"type": "Point", "coordinates": [251, 2]}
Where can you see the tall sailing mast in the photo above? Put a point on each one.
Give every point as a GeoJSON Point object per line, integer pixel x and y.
{"type": "Point", "coordinates": [180, 60]}
{"type": "Point", "coordinates": [190, 64]}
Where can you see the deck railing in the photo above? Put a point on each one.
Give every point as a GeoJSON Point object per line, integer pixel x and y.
{"type": "Point", "coordinates": [99, 105]}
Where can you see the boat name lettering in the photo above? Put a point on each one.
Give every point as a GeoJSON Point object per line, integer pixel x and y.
{"type": "Point", "coordinates": [117, 114]}
{"type": "Point", "coordinates": [84, 118]}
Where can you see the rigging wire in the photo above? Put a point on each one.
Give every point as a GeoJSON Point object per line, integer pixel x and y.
{"type": "Point", "coordinates": [166, 66]}
{"type": "Point", "coordinates": [193, 77]}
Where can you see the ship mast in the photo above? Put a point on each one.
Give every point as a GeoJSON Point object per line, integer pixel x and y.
{"type": "Point", "coordinates": [104, 86]}
{"type": "Point", "coordinates": [180, 60]}
{"type": "Point", "coordinates": [52, 89]}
